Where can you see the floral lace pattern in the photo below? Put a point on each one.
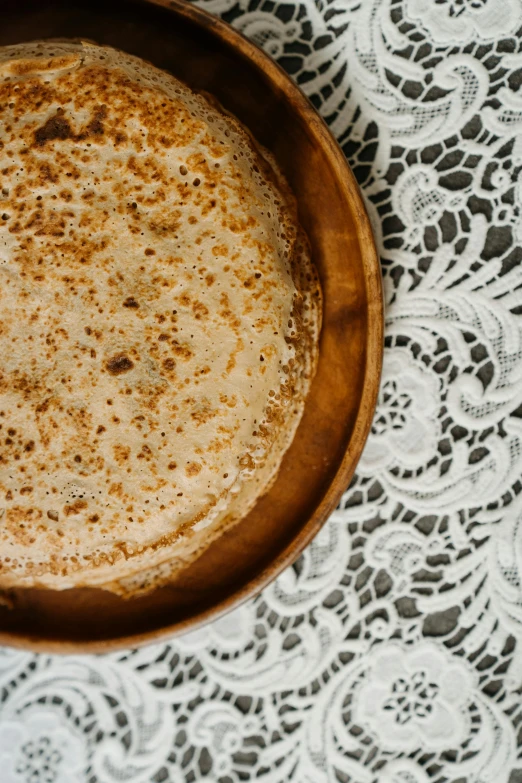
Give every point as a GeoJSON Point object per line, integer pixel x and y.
{"type": "Point", "coordinates": [392, 651]}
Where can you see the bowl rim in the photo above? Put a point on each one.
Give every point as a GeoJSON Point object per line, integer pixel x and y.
{"type": "Point", "coordinates": [371, 377]}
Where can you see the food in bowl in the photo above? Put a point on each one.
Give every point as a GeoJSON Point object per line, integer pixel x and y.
{"type": "Point", "coordinates": [159, 323]}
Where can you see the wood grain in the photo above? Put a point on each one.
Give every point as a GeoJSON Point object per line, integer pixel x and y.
{"type": "Point", "coordinates": [209, 55]}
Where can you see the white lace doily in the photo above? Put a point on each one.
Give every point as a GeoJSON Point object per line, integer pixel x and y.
{"type": "Point", "coordinates": [392, 651]}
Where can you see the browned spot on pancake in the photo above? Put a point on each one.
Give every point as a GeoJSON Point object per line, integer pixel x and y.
{"type": "Point", "coordinates": [227, 313]}
{"type": "Point", "coordinates": [230, 402]}
{"type": "Point", "coordinates": [56, 127]}
{"type": "Point", "coordinates": [95, 126]}
{"type": "Point", "coordinates": [119, 364]}
{"type": "Point", "coordinates": [121, 453]}
{"type": "Point", "coordinates": [74, 508]}
{"type": "Point", "coordinates": [131, 302]}
{"type": "Point", "coordinates": [193, 468]}
{"type": "Point", "coordinates": [247, 462]}
{"type": "Point", "coordinates": [184, 299]}
{"type": "Point", "coordinates": [231, 363]}
{"type": "Point", "coordinates": [145, 452]}
{"type": "Point", "coordinates": [116, 489]}
{"type": "Point", "coordinates": [183, 351]}
{"type": "Point", "coordinates": [220, 250]}
{"type": "Point", "coordinates": [199, 310]}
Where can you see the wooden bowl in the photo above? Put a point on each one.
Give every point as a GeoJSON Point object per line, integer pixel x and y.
{"type": "Point", "coordinates": [208, 54]}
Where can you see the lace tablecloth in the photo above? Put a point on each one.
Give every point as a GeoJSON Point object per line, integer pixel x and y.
{"type": "Point", "coordinates": [392, 651]}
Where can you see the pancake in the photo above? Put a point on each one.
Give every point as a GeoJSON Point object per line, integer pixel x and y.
{"type": "Point", "coordinates": [159, 320]}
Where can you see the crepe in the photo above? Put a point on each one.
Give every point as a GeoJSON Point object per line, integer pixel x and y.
{"type": "Point", "coordinates": [159, 320]}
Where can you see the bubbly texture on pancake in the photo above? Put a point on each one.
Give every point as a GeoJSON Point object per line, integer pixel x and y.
{"type": "Point", "coordinates": [159, 317]}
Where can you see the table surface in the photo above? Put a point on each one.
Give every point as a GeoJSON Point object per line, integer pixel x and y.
{"type": "Point", "coordinates": [392, 650]}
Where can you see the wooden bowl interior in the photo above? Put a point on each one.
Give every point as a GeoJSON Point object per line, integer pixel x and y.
{"type": "Point", "coordinates": [322, 458]}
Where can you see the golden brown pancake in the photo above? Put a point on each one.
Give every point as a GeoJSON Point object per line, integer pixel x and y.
{"type": "Point", "coordinates": [159, 319]}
